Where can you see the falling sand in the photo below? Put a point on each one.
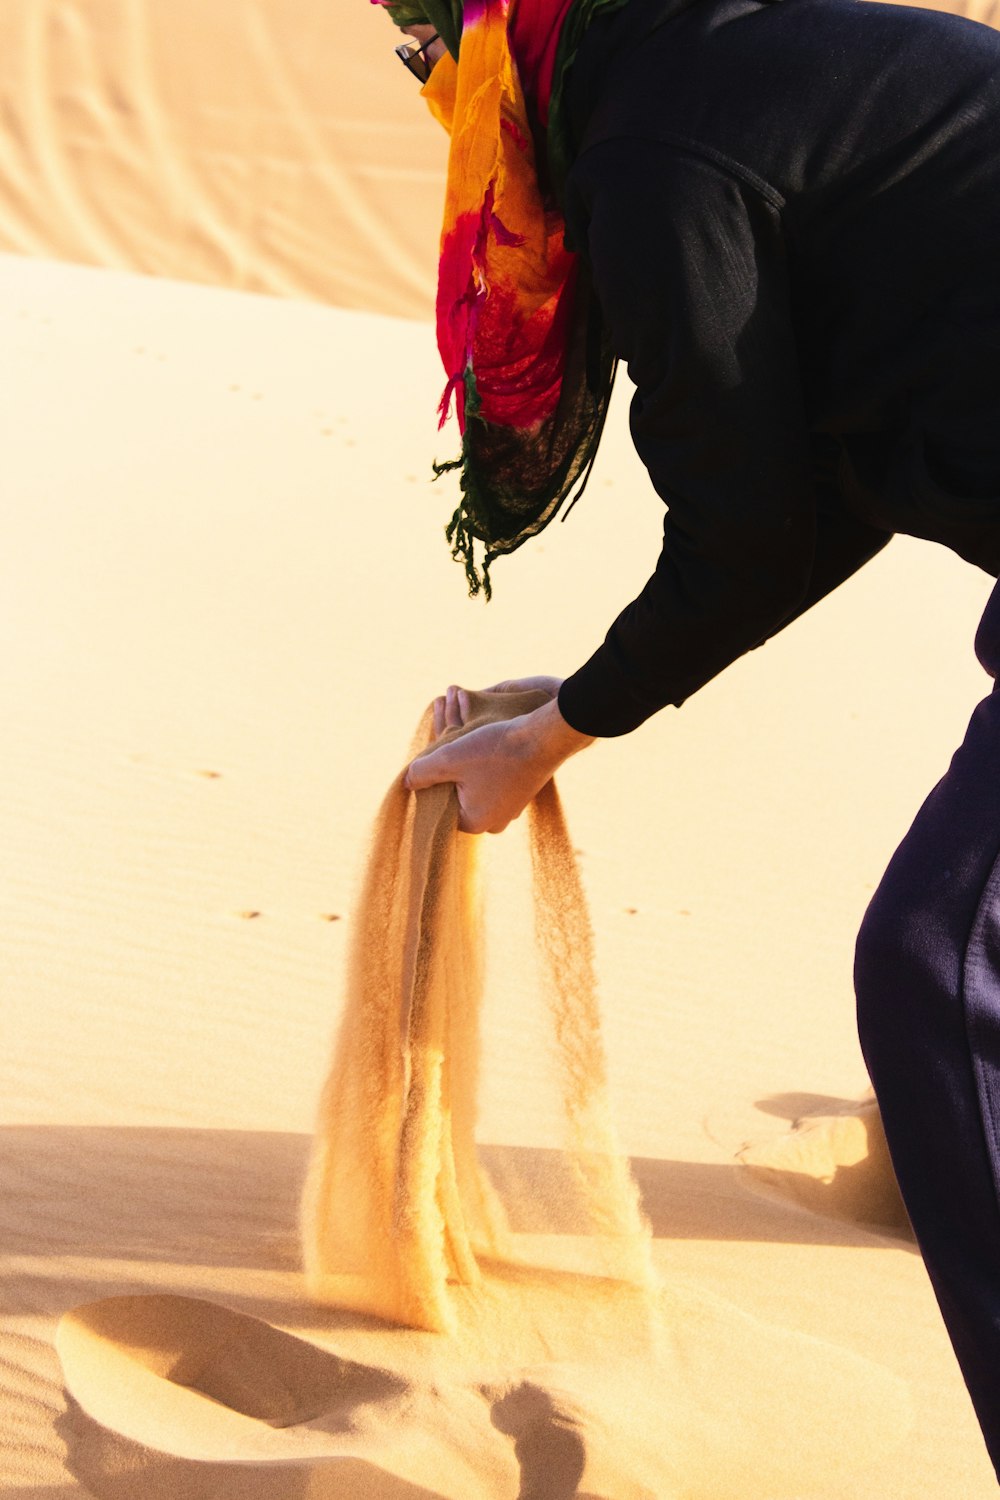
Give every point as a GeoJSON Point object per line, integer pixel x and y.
{"type": "Point", "coordinates": [397, 1205]}
{"type": "Point", "coordinates": [494, 1372]}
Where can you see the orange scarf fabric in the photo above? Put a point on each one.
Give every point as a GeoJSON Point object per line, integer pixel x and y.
{"type": "Point", "coordinates": [528, 362]}
{"type": "Point", "coordinates": [505, 282]}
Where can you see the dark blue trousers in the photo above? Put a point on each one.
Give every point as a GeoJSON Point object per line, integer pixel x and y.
{"type": "Point", "coordinates": [928, 988]}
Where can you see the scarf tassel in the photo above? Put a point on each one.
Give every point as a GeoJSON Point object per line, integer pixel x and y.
{"type": "Point", "coordinates": [460, 531]}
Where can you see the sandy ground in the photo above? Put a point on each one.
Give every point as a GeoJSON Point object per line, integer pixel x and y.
{"type": "Point", "coordinates": [268, 145]}
{"type": "Point", "coordinates": [226, 600]}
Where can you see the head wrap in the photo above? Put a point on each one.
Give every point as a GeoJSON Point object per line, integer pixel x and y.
{"type": "Point", "coordinates": [528, 365]}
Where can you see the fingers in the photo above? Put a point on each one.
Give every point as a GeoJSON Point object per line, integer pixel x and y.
{"type": "Point", "coordinates": [455, 707]}
{"type": "Point", "coordinates": [489, 776]}
{"type": "Point", "coordinates": [429, 769]}
{"type": "Point", "coordinates": [451, 710]}
{"type": "Point", "coordinates": [549, 685]}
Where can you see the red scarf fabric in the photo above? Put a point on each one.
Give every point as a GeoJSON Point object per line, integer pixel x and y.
{"type": "Point", "coordinates": [534, 39]}
{"type": "Point", "coordinates": [515, 318]}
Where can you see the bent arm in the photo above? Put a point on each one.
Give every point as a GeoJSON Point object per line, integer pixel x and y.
{"type": "Point", "coordinates": [689, 265]}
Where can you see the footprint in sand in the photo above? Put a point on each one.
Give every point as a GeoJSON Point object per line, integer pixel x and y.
{"type": "Point", "coordinates": [177, 1397]}
{"type": "Point", "coordinates": [834, 1163]}
{"type": "Point", "coordinates": [246, 1410]}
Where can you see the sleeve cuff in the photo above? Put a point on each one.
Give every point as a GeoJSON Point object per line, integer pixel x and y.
{"type": "Point", "coordinates": [596, 700]}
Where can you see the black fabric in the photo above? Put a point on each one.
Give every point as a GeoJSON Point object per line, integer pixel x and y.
{"type": "Point", "coordinates": [792, 217]}
{"type": "Point", "coordinates": [927, 975]}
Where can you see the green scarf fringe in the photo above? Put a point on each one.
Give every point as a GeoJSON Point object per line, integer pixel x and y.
{"type": "Point", "coordinates": [446, 16]}
{"type": "Point", "coordinates": [459, 530]}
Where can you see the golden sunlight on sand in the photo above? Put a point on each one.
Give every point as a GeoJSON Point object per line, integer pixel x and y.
{"type": "Point", "coordinates": [226, 601]}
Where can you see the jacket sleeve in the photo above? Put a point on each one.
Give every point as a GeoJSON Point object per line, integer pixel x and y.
{"type": "Point", "coordinates": [689, 265]}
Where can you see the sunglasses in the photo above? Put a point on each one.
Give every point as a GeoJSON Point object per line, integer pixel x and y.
{"type": "Point", "coordinates": [413, 59]}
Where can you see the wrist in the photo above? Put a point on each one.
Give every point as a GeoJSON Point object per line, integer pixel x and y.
{"type": "Point", "coordinates": [545, 729]}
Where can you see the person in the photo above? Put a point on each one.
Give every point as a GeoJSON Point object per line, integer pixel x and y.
{"type": "Point", "coordinates": [784, 215]}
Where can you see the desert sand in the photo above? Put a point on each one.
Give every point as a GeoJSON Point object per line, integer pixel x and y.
{"type": "Point", "coordinates": [226, 602]}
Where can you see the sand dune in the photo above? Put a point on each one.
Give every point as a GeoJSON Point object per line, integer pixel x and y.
{"type": "Point", "coordinates": [221, 569]}
{"type": "Point", "coordinates": [193, 1380]}
{"type": "Point", "coordinates": [264, 146]}
{"type": "Point", "coordinates": [226, 598]}
{"type": "Point", "coordinates": [271, 147]}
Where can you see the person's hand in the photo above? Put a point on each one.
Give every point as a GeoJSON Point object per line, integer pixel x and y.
{"type": "Point", "coordinates": [498, 768]}
{"type": "Point", "coordinates": [451, 709]}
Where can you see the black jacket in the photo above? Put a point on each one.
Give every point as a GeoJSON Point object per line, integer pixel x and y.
{"type": "Point", "coordinates": [791, 213]}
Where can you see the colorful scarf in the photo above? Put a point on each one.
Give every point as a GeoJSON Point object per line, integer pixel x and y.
{"type": "Point", "coordinates": [528, 365]}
